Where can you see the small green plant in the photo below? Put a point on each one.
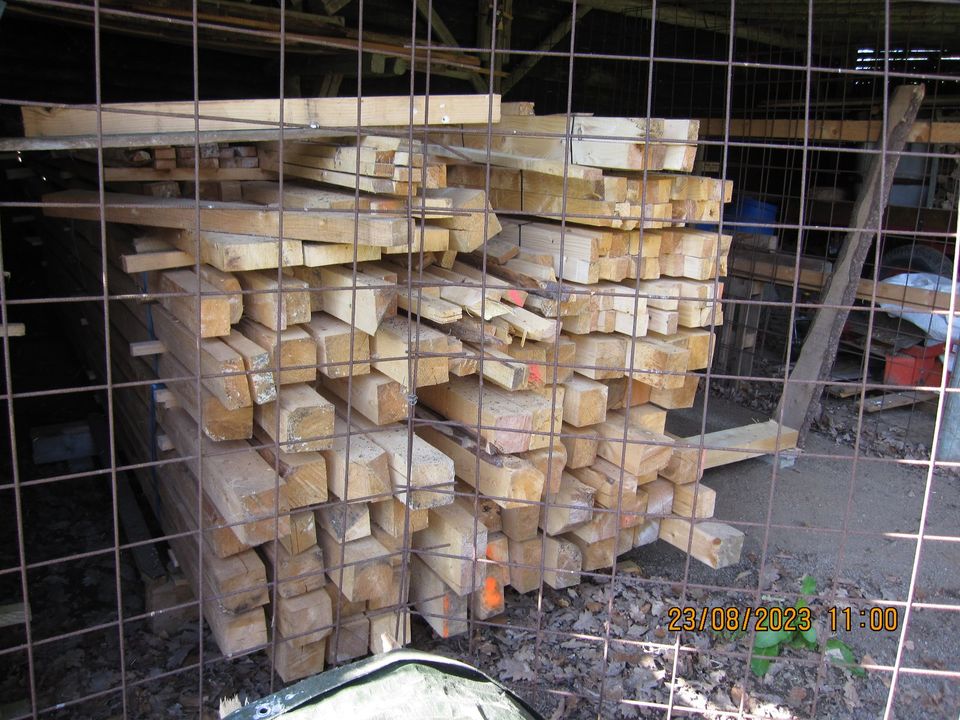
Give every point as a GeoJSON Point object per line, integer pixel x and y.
{"type": "Point", "coordinates": [768, 643]}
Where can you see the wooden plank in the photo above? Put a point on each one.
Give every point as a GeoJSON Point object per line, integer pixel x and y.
{"type": "Point", "coordinates": [255, 114]}
{"type": "Point", "coordinates": [584, 401]}
{"type": "Point", "coordinates": [562, 562]}
{"type": "Point", "coordinates": [300, 419]}
{"type": "Point", "coordinates": [258, 363]}
{"type": "Point", "coordinates": [274, 304]}
{"type": "Point", "coordinates": [380, 399]}
{"type": "Point", "coordinates": [232, 252]}
{"type": "Point", "coordinates": [745, 442]}
{"type": "Point", "coordinates": [451, 546]}
{"type": "Point", "coordinates": [421, 476]}
{"type": "Point", "coordinates": [581, 445]}
{"type": "Point", "coordinates": [221, 369]}
{"type": "Point", "coordinates": [337, 228]}
{"type": "Point", "coordinates": [292, 351]}
{"type": "Point", "coordinates": [505, 478]}
{"type": "Point", "coordinates": [237, 480]}
{"type": "Point", "coordinates": [304, 473]}
{"type": "Point", "coordinates": [845, 130]}
{"type": "Point", "coordinates": [218, 422]}
{"type": "Point", "coordinates": [214, 315]}
{"type": "Point", "coordinates": [684, 504]}
{"type": "Point", "coordinates": [356, 466]}
{"type": "Point", "coordinates": [568, 508]}
{"type": "Point", "coordinates": [345, 521]}
{"type": "Point", "coordinates": [525, 561]}
{"type": "Point", "coordinates": [890, 400]}
{"type": "Point", "coordinates": [438, 605]}
{"type": "Point", "coordinates": [715, 544]}
{"type": "Point", "coordinates": [644, 450]}
{"type": "Point", "coordinates": [360, 569]}
{"type": "Point", "coordinates": [390, 350]}
{"type": "Point", "coordinates": [342, 350]}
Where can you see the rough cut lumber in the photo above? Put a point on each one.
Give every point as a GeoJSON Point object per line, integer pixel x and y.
{"type": "Point", "coordinates": [305, 473]}
{"type": "Point", "coordinates": [236, 584]}
{"type": "Point", "coordinates": [228, 287]}
{"type": "Point", "coordinates": [345, 521]}
{"type": "Point", "coordinates": [351, 640]}
{"type": "Point", "coordinates": [451, 545]}
{"type": "Point", "coordinates": [276, 305]}
{"type": "Point", "coordinates": [600, 356]}
{"type": "Point", "coordinates": [581, 445]}
{"type": "Point", "coordinates": [511, 422]}
{"type": "Point", "coordinates": [715, 544]}
{"type": "Point", "coordinates": [682, 397]}
{"type": "Point", "coordinates": [421, 476]}
{"type": "Point", "coordinates": [568, 508]}
{"type": "Point", "coordinates": [487, 601]}
{"type": "Point", "coordinates": [254, 114]}
{"type": "Point", "coordinates": [596, 555]}
{"type": "Point", "coordinates": [525, 561]}
{"type": "Point", "coordinates": [618, 390]}
{"type": "Point", "coordinates": [186, 291]}
{"type": "Point", "coordinates": [295, 663]}
{"type": "Point", "coordinates": [643, 452]}
{"type": "Point", "coordinates": [217, 535]}
{"type": "Point", "coordinates": [356, 466]}
{"type": "Point", "coordinates": [232, 252]}
{"type": "Point", "coordinates": [396, 339]}
{"type": "Point", "coordinates": [218, 422]}
{"type": "Point", "coordinates": [292, 351]}
{"type": "Point", "coordinates": [584, 401]}
{"type": "Point", "coordinates": [562, 562]}
{"type": "Point", "coordinates": [221, 369]}
{"type": "Point", "coordinates": [228, 218]}
{"type": "Point", "coordinates": [305, 619]}
{"type": "Point", "coordinates": [241, 485]}
{"type": "Point", "coordinates": [438, 605]}
{"type": "Point", "coordinates": [504, 478]}
{"type": "Point", "coordinates": [360, 569]}
{"type": "Point", "coordinates": [295, 574]}
{"type": "Point", "coordinates": [380, 399]}
{"type": "Point", "coordinates": [549, 460]}
{"type": "Point", "coordinates": [302, 417]}
{"type": "Point", "coordinates": [520, 523]}
{"type": "Point", "coordinates": [657, 364]}
{"type": "Point", "coordinates": [747, 441]}
{"type": "Point", "coordinates": [355, 298]}
{"type": "Point", "coordinates": [342, 350]}
{"type": "Point", "coordinates": [684, 504]}
{"type": "Point", "coordinates": [395, 518]}
{"type": "Point", "coordinates": [258, 364]}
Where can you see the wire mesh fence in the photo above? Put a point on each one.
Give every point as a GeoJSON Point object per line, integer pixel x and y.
{"type": "Point", "coordinates": [603, 345]}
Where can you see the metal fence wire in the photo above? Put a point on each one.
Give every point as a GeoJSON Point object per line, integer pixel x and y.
{"type": "Point", "coordinates": [602, 344]}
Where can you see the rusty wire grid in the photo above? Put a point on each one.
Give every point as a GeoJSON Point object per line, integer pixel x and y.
{"type": "Point", "coordinates": [604, 648]}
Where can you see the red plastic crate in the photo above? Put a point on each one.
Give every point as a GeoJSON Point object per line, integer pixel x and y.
{"type": "Point", "coordinates": [914, 366]}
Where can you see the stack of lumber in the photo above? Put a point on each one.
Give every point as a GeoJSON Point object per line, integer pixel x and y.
{"type": "Point", "coordinates": [424, 394]}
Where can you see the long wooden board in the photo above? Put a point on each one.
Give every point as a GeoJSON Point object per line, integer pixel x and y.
{"type": "Point", "coordinates": [250, 114]}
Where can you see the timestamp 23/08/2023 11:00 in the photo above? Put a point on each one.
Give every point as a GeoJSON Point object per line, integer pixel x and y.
{"type": "Point", "coordinates": [775, 618]}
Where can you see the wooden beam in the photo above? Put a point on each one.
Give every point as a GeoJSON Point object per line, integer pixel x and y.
{"type": "Point", "coordinates": [254, 114]}
{"type": "Point", "coordinates": [546, 45]}
{"type": "Point", "coordinates": [800, 402]}
{"type": "Point", "coordinates": [854, 131]}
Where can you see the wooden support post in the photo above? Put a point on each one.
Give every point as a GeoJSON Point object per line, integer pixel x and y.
{"type": "Point", "coordinates": [800, 402]}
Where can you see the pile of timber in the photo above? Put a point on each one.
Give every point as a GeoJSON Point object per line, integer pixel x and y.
{"type": "Point", "coordinates": [424, 394]}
